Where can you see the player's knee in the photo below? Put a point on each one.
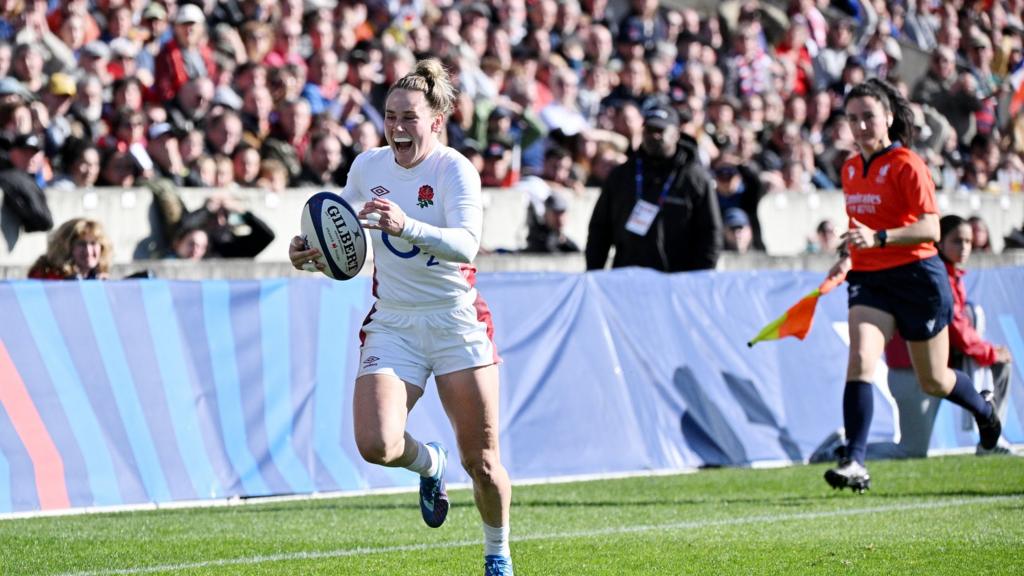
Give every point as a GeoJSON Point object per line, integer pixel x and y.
{"type": "Point", "coordinates": [482, 467]}
{"type": "Point", "coordinates": [933, 385]}
{"type": "Point", "coordinates": [377, 450]}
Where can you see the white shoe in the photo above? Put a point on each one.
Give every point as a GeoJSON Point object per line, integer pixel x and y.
{"type": "Point", "coordinates": [849, 474]}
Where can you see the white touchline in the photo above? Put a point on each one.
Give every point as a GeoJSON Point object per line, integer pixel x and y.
{"type": "Point", "coordinates": [688, 525]}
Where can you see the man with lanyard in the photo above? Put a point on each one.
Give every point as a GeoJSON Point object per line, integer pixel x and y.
{"type": "Point", "coordinates": [659, 209]}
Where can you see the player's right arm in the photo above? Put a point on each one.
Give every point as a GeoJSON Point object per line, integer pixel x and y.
{"type": "Point", "coordinates": [301, 255]}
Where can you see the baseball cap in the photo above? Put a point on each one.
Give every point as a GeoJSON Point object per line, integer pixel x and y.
{"type": "Point", "coordinates": [190, 14]}
{"type": "Point", "coordinates": [123, 47]}
{"type": "Point", "coordinates": [154, 11]}
{"type": "Point", "coordinates": [61, 84]}
{"type": "Point", "coordinates": [661, 117]}
{"type": "Point", "coordinates": [97, 49]}
{"type": "Point", "coordinates": [158, 129]}
{"type": "Point", "coordinates": [30, 141]}
{"type": "Point", "coordinates": [735, 218]}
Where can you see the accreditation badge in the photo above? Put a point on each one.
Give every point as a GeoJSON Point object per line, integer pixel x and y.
{"type": "Point", "coordinates": [642, 217]}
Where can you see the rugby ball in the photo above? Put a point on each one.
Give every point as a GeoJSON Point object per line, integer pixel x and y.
{"type": "Point", "coordinates": [331, 225]}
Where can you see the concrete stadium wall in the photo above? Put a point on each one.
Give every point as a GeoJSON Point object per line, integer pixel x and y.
{"type": "Point", "coordinates": [788, 219]}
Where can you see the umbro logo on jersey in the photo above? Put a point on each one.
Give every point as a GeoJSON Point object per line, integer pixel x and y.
{"type": "Point", "coordinates": [849, 173]}
{"type": "Point", "coordinates": [379, 191]}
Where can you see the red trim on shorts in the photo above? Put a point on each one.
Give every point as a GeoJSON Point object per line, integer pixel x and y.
{"type": "Point", "coordinates": [468, 272]}
{"type": "Point", "coordinates": [483, 314]}
{"type": "Point", "coordinates": [367, 320]}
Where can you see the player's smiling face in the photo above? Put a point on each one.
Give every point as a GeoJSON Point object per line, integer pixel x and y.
{"type": "Point", "coordinates": [869, 121]}
{"type": "Point", "coordinates": [409, 126]}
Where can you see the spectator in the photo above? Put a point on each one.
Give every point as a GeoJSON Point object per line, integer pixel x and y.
{"type": "Point", "coordinates": [659, 209]}
{"type": "Point", "coordinates": [498, 171]}
{"type": "Point", "coordinates": [20, 158]}
{"type": "Point", "coordinates": [246, 162]}
{"type": "Point", "coordinates": [825, 239]}
{"type": "Point", "coordinates": [190, 243]}
{"type": "Point", "coordinates": [739, 187]}
{"type": "Point", "coordinates": [78, 250]}
{"type": "Point", "coordinates": [57, 99]}
{"type": "Point", "coordinates": [323, 165]}
{"type": "Point", "coordinates": [224, 220]}
{"type": "Point", "coordinates": [981, 241]}
{"type": "Point", "coordinates": [968, 351]}
{"type": "Point", "coordinates": [163, 148]}
{"type": "Point", "coordinates": [736, 231]}
{"type": "Point", "coordinates": [186, 56]}
{"type": "Point", "coordinates": [548, 236]}
{"type": "Point", "coordinates": [290, 136]}
{"type": "Point", "coordinates": [81, 165]}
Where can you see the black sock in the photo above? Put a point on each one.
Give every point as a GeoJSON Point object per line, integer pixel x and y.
{"type": "Point", "coordinates": [965, 396]}
{"type": "Point", "coordinates": [858, 408]}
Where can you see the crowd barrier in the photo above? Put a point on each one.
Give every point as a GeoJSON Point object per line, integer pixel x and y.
{"type": "Point", "coordinates": [788, 220]}
{"type": "Point", "coordinates": [156, 391]}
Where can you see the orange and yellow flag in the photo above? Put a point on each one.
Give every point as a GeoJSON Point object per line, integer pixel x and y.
{"type": "Point", "coordinates": [798, 319]}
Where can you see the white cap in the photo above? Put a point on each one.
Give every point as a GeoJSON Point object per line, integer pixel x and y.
{"type": "Point", "coordinates": [190, 13]}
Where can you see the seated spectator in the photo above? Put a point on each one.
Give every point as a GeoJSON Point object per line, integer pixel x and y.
{"type": "Point", "coordinates": [187, 56]}
{"type": "Point", "coordinates": [548, 236]}
{"type": "Point", "coordinates": [81, 160]}
{"type": "Point", "coordinates": [78, 250]}
{"type": "Point", "coordinates": [825, 239]}
{"type": "Point", "coordinates": [497, 172]}
{"type": "Point", "coordinates": [739, 187]}
{"type": "Point", "coordinates": [190, 243]}
{"type": "Point", "coordinates": [273, 175]}
{"type": "Point", "coordinates": [323, 164]}
{"type": "Point", "coordinates": [20, 158]}
{"type": "Point", "coordinates": [736, 231]}
{"type": "Point", "coordinates": [981, 242]}
{"type": "Point", "coordinates": [246, 161]}
{"type": "Point", "coordinates": [163, 148]}
{"type": "Point", "coordinates": [233, 231]}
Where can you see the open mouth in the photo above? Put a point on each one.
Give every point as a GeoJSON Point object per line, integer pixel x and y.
{"type": "Point", "coordinates": [403, 144]}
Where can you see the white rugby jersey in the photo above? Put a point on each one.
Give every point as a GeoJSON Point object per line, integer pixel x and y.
{"type": "Point", "coordinates": [432, 261]}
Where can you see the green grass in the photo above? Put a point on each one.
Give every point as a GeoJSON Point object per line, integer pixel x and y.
{"type": "Point", "coordinates": [957, 515]}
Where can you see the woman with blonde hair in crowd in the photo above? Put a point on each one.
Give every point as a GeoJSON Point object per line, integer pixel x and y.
{"type": "Point", "coordinates": [78, 250]}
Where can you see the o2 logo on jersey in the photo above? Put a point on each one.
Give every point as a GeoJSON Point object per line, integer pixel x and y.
{"type": "Point", "coordinates": [411, 253]}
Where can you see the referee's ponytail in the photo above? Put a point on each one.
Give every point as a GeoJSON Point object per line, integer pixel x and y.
{"type": "Point", "coordinates": [902, 128]}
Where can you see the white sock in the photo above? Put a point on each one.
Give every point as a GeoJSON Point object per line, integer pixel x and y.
{"type": "Point", "coordinates": [496, 541]}
{"type": "Point", "coordinates": [426, 461]}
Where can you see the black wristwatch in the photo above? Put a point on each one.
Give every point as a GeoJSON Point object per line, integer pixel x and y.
{"type": "Point", "coordinates": [881, 237]}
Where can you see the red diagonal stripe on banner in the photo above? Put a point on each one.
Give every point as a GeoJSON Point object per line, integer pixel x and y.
{"type": "Point", "coordinates": [46, 460]}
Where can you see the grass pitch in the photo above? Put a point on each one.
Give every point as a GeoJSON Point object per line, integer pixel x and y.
{"type": "Point", "coordinates": [955, 515]}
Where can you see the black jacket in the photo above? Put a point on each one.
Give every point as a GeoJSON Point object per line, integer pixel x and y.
{"type": "Point", "coordinates": [23, 197]}
{"type": "Point", "coordinates": [686, 234]}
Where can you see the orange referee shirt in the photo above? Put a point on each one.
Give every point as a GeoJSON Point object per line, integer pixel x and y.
{"type": "Point", "coordinates": [890, 192]}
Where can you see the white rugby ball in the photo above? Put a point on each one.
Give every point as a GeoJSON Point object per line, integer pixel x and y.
{"type": "Point", "coordinates": [330, 225]}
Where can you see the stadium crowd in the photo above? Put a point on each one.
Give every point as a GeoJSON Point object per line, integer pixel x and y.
{"type": "Point", "coordinates": [257, 93]}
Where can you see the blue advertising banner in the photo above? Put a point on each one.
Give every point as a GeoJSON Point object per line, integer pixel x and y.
{"type": "Point", "coordinates": [154, 391]}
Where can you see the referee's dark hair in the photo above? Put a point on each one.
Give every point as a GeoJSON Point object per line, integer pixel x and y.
{"type": "Point", "coordinates": [902, 128]}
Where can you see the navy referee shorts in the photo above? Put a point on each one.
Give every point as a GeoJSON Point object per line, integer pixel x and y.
{"type": "Point", "coordinates": [917, 295]}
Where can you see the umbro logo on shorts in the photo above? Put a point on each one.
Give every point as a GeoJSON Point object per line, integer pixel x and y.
{"type": "Point", "coordinates": [370, 362]}
{"type": "Point", "coordinates": [379, 191]}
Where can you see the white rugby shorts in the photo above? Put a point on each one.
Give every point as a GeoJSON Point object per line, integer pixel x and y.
{"type": "Point", "coordinates": [412, 341]}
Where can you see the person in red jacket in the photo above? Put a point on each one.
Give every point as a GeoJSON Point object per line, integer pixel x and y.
{"type": "Point", "coordinates": [969, 350]}
{"type": "Point", "coordinates": [896, 279]}
{"type": "Point", "coordinates": [186, 56]}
